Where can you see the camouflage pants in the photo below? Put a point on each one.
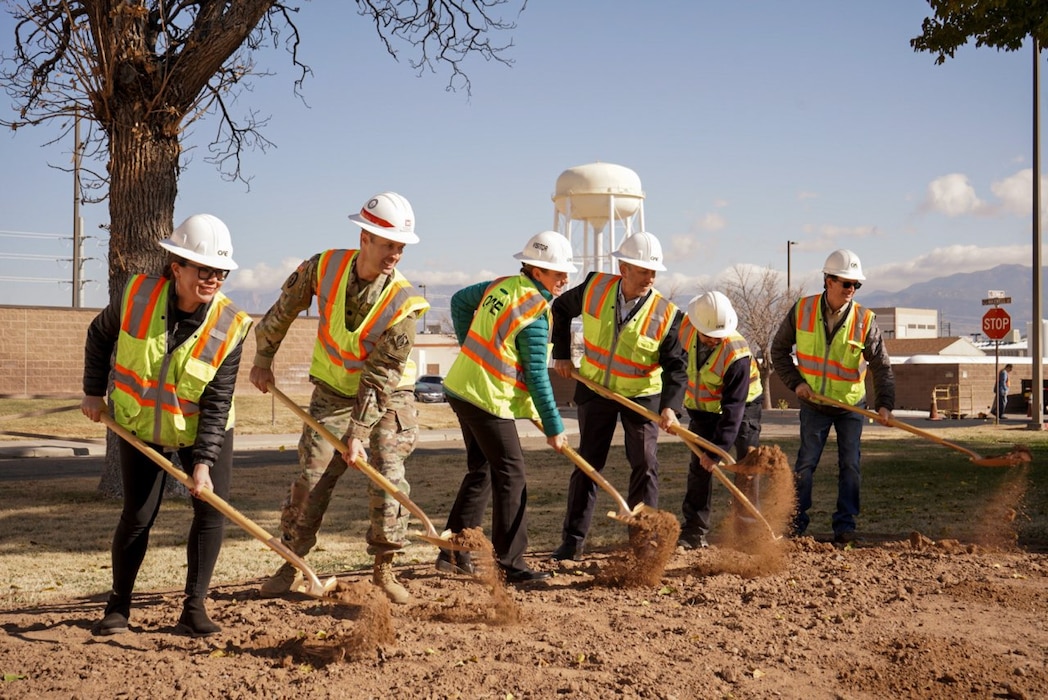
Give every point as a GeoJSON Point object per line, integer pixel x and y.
{"type": "Point", "coordinates": [392, 440]}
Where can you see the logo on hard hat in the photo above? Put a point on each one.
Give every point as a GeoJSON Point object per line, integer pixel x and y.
{"type": "Point", "coordinates": [372, 204]}
{"type": "Point", "coordinates": [540, 246]}
{"type": "Point", "coordinates": [223, 253]}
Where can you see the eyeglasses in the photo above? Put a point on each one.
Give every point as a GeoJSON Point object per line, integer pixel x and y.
{"type": "Point", "coordinates": [847, 284]}
{"type": "Point", "coordinates": [205, 273]}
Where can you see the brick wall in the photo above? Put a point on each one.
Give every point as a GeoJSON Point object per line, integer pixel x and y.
{"type": "Point", "coordinates": [42, 352]}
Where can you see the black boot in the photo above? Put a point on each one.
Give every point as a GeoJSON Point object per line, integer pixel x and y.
{"type": "Point", "coordinates": [118, 610]}
{"type": "Point", "coordinates": [194, 620]}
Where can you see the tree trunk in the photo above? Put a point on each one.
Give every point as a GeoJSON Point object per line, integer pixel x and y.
{"type": "Point", "coordinates": [143, 172]}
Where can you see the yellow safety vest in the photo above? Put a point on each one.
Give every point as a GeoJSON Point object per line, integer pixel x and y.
{"type": "Point", "coordinates": [339, 354]}
{"type": "Point", "coordinates": [837, 370]}
{"type": "Point", "coordinates": [625, 360]}
{"type": "Point", "coordinates": [706, 383]}
{"type": "Point", "coordinates": [487, 373]}
{"type": "Point", "coordinates": [156, 393]}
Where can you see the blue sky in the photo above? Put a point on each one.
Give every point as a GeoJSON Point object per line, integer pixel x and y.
{"type": "Point", "coordinates": [749, 124]}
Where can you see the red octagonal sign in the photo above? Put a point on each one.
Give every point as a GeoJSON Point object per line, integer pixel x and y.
{"type": "Point", "coordinates": [996, 323]}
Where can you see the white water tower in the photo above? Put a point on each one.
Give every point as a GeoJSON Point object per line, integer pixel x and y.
{"type": "Point", "coordinates": [605, 199]}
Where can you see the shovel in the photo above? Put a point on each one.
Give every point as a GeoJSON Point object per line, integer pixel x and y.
{"type": "Point", "coordinates": [624, 514]}
{"type": "Point", "coordinates": [693, 441]}
{"type": "Point", "coordinates": [312, 586]}
{"type": "Point", "coordinates": [1012, 459]}
{"type": "Point", "coordinates": [443, 541]}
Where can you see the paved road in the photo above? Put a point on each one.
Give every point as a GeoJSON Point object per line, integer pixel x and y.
{"type": "Point", "coordinates": [47, 459]}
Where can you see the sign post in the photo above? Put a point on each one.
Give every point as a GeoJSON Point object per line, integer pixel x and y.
{"type": "Point", "coordinates": [996, 323]}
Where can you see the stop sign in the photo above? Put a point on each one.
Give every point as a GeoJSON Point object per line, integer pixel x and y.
{"type": "Point", "coordinates": [996, 323]}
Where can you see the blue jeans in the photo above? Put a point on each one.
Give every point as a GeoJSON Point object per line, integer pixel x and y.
{"type": "Point", "coordinates": [815, 428]}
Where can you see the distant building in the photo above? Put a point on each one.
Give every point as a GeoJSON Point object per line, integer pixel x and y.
{"type": "Point", "coordinates": [900, 322]}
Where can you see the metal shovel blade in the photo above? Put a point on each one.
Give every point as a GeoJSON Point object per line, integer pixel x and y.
{"type": "Point", "coordinates": [375, 475]}
{"type": "Point", "coordinates": [313, 586]}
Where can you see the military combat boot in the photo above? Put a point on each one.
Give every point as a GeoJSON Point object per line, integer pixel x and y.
{"type": "Point", "coordinates": [384, 578]}
{"type": "Point", "coordinates": [279, 583]}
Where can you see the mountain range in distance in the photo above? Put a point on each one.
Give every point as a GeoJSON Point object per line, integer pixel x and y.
{"type": "Point", "coordinates": [957, 298]}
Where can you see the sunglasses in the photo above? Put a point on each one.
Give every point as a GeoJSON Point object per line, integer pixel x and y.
{"type": "Point", "coordinates": [205, 273]}
{"type": "Point", "coordinates": [847, 284]}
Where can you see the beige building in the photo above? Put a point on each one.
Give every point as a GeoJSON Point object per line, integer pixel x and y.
{"type": "Point", "coordinates": [900, 322]}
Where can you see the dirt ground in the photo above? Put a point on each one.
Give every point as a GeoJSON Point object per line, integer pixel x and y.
{"type": "Point", "coordinates": [914, 619]}
{"type": "Point", "coordinates": [754, 618]}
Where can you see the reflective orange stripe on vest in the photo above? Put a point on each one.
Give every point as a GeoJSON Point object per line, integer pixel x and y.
{"type": "Point", "coordinates": [487, 353]}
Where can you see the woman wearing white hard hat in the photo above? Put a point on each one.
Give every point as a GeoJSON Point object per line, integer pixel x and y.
{"type": "Point", "coordinates": [724, 404]}
{"type": "Point", "coordinates": [501, 375]}
{"type": "Point", "coordinates": [173, 388]}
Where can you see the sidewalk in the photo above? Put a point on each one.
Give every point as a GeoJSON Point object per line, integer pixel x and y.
{"type": "Point", "coordinates": [775, 424]}
{"type": "Point", "coordinates": [43, 447]}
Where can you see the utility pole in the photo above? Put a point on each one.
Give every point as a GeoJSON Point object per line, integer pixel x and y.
{"type": "Point", "coordinates": [78, 224]}
{"type": "Point", "coordinates": [789, 246]}
{"type": "Point", "coordinates": [1035, 340]}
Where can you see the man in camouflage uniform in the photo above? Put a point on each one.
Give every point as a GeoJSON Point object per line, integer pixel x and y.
{"type": "Point", "coordinates": [363, 381]}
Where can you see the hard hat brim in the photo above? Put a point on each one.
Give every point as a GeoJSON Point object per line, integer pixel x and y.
{"type": "Point", "coordinates": [555, 267]}
{"type": "Point", "coordinates": [216, 261]}
{"type": "Point", "coordinates": [646, 264]}
{"type": "Point", "coordinates": [389, 235]}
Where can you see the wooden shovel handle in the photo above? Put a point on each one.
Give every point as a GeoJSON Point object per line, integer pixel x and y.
{"type": "Point", "coordinates": [598, 478]}
{"type": "Point", "coordinates": [679, 430]}
{"type": "Point", "coordinates": [691, 439]}
{"type": "Point", "coordinates": [892, 421]}
{"type": "Point", "coordinates": [368, 470]}
{"type": "Point", "coordinates": [313, 585]}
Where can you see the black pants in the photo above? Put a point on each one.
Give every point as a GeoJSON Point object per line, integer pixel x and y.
{"type": "Point", "coordinates": [143, 483]}
{"type": "Point", "coordinates": [699, 495]}
{"type": "Point", "coordinates": [495, 469]}
{"type": "Point", "coordinates": [597, 419]}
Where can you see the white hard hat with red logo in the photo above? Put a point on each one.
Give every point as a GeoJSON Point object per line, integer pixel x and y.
{"type": "Point", "coordinates": [389, 215]}
{"type": "Point", "coordinates": [641, 249]}
{"type": "Point", "coordinates": [549, 250]}
{"type": "Point", "coordinates": [203, 239]}
{"type": "Point", "coordinates": [712, 314]}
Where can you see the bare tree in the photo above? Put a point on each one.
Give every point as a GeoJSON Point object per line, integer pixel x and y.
{"type": "Point", "coordinates": [142, 71]}
{"type": "Point", "coordinates": [761, 300]}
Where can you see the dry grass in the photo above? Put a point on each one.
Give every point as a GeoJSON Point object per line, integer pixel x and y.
{"type": "Point", "coordinates": [55, 533]}
{"type": "Point", "coordinates": [257, 414]}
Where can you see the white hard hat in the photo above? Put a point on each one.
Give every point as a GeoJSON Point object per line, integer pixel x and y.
{"type": "Point", "coordinates": [203, 239]}
{"type": "Point", "coordinates": [844, 263]}
{"type": "Point", "coordinates": [548, 250]}
{"type": "Point", "coordinates": [712, 314]}
{"type": "Point", "coordinates": [389, 215]}
{"type": "Point", "coordinates": [641, 249]}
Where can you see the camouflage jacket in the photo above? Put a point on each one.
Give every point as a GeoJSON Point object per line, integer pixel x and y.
{"type": "Point", "coordinates": [383, 367]}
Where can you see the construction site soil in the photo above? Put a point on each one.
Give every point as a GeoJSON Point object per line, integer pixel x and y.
{"type": "Point", "coordinates": [749, 618]}
{"type": "Point", "coordinates": [909, 619]}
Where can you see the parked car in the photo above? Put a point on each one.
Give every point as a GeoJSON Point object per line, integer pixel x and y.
{"type": "Point", "coordinates": [429, 388]}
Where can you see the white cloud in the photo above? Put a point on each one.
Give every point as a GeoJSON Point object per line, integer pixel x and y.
{"type": "Point", "coordinates": [711, 222]}
{"type": "Point", "coordinates": [952, 195]}
{"type": "Point", "coordinates": [803, 195]}
{"type": "Point", "coordinates": [262, 277]}
{"type": "Point", "coordinates": [1016, 192]}
{"type": "Point", "coordinates": [683, 247]}
{"type": "Point", "coordinates": [463, 279]}
{"type": "Point", "coordinates": [819, 238]}
{"type": "Point", "coordinates": [941, 262]}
